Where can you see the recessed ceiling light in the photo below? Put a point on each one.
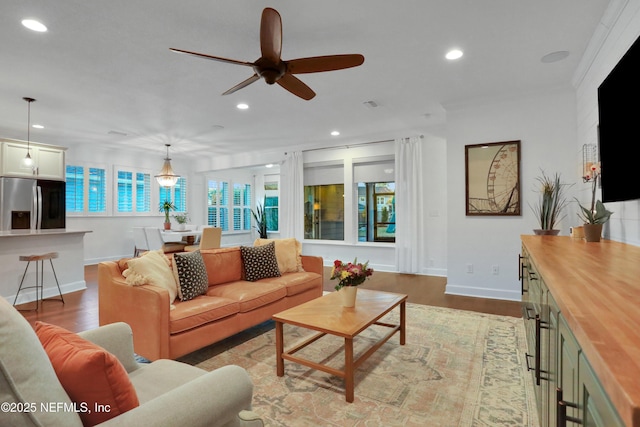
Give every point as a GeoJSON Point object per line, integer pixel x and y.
{"type": "Point", "coordinates": [34, 25]}
{"type": "Point", "coordinates": [270, 165]}
{"type": "Point", "coordinates": [554, 56]}
{"type": "Point", "coordinates": [242, 106]}
{"type": "Point", "coordinates": [335, 133]}
{"type": "Point", "coordinates": [454, 54]}
{"type": "Point", "coordinates": [37, 126]}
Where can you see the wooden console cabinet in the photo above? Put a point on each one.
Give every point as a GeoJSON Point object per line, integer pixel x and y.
{"type": "Point", "coordinates": [581, 308]}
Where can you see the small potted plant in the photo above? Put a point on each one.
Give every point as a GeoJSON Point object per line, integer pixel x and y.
{"type": "Point", "coordinates": [350, 275]}
{"type": "Point", "coordinates": [596, 215]}
{"type": "Point", "coordinates": [551, 203]}
{"type": "Point", "coordinates": [167, 207]}
{"type": "Point", "coordinates": [181, 219]}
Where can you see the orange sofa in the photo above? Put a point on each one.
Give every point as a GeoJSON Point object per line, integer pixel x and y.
{"type": "Point", "coordinates": [167, 330]}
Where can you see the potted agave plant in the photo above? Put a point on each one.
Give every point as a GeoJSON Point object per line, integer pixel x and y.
{"type": "Point", "coordinates": [167, 207]}
{"type": "Point", "coordinates": [551, 204]}
{"type": "Point", "coordinates": [596, 215]}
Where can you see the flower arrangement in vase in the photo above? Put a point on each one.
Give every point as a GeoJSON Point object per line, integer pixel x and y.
{"type": "Point", "coordinates": [551, 203]}
{"type": "Point", "coordinates": [597, 215]}
{"type": "Point", "coordinates": [350, 275]}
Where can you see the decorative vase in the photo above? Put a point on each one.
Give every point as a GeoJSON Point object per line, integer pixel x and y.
{"type": "Point", "coordinates": [540, 232]}
{"type": "Point", "coordinates": [592, 232]}
{"type": "Point", "coordinates": [167, 226]}
{"type": "Point", "coordinates": [348, 294]}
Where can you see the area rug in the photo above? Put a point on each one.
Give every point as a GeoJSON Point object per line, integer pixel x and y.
{"type": "Point", "coordinates": [458, 368]}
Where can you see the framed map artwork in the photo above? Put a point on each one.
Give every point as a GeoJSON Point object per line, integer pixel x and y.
{"type": "Point", "coordinates": [493, 178]}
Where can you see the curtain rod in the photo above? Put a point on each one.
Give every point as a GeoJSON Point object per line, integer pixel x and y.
{"type": "Point", "coordinates": [360, 144]}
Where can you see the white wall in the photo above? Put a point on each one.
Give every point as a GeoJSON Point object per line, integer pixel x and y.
{"type": "Point", "coordinates": [620, 28]}
{"type": "Point", "coordinates": [545, 125]}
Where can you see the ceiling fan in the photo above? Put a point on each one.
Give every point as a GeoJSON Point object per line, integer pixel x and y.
{"type": "Point", "coordinates": [274, 70]}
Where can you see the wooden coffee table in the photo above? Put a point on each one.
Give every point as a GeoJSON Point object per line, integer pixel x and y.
{"type": "Point", "coordinates": [327, 316]}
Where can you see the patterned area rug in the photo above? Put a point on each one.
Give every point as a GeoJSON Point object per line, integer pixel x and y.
{"type": "Point", "coordinates": [458, 368]}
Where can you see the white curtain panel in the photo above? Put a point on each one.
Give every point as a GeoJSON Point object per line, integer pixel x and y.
{"type": "Point", "coordinates": [292, 195]}
{"type": "Point", "coordinates": [409, 196]}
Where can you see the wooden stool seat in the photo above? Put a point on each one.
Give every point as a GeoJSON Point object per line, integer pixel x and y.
{"type": "Point", "coordinates": [39, 286]}
{"type": "Point", "coordinates": [50, 255]}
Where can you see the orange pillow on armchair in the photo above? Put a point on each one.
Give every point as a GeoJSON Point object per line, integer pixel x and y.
{"type": "Point", "coordinates": [92, 377]}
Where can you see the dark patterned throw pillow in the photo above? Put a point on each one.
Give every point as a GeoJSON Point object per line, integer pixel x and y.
{"type": "Point", "coordinates": [191, 275]}
{"type": "Point", "coordinates": [260, 262]}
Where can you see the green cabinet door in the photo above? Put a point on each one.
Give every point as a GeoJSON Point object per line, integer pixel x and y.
{"type": "Point", "coordinates": [568, 352]}
{"type": "Point", "coordinates": [597, 409]}
{"type": "Point", "coordinates": [552, 366]}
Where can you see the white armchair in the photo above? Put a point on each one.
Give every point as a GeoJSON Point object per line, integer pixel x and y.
{"type": "Point", "coordinates": [170, 393]}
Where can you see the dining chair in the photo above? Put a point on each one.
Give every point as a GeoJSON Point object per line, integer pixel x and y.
{"type": "Point", "coordinates": [154, 239]}
{"type": "Point", "coordinates": [210, 239]}
{"type": "Point", "coordinates": [139, 241]}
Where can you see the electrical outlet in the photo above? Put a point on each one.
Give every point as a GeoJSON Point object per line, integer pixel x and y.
{"type": "Point", "coordinates": [469, 268]}
{"type": "Point", "coordinates": [496, 270]}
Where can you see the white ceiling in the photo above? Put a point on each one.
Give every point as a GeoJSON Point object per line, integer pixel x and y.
{"type": "Point", "coordinates": [105, 66]}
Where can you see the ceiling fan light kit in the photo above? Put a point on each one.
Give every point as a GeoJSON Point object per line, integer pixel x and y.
{"type": "Point", "coordinates": [273, 69]}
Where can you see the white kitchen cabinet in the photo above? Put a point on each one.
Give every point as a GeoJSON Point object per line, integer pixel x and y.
{"type": "Point", "coordinates": [48, 160]}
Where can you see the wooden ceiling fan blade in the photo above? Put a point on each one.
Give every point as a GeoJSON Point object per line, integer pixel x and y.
{"type": "Point", "coordinates": [243, 84]}
{"type": "Point", "coordinates": [271, 35]}
{"type": "Point", "coordinates": [319, 64]}
{"type": "Point", "coordinates": [296, 87]}
{"type": "Point", "coordinates": [211, 57]}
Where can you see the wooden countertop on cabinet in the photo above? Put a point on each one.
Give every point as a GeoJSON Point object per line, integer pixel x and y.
{"type": "Point", "coordinates": [597, 288]}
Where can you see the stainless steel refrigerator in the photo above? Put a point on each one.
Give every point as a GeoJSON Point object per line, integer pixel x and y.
{"type": "Point", "coordinates": [31, 204]}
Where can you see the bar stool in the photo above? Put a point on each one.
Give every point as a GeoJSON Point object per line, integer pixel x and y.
{"type": "Point", "coordinates": [39, 286]}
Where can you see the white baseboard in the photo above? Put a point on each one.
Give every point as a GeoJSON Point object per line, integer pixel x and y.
{"type": "Point", "coordinates": [50, 291]}
{"type": "Point", "coordinates": [483, 292]}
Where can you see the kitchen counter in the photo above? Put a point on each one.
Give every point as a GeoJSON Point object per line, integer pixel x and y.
{"type": "Point", "coordinates": [30, 233]}
{"type": "Point", "coordinates": [69, 265]}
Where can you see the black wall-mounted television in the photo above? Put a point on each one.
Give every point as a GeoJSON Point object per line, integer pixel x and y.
{"type": "Point", "coordinates": [619, 128]}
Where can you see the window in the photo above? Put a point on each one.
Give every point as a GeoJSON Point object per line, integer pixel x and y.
{"type": "Point", "coordinates": [218, 204]}
{"type": "Point", "coordinates": [176, 194]}
{"type": "Point", "coordinates": [376, 212]}
{"type": "Point", "coordinates": [271, 205]}
{"type": "Point", "coordinates": [133, 191]}
{"type": "Point", "coordinates": [229, 205]}
{"type": "Point", "coordinates": [324, 212]}
{"type": "Point", "coordinates": [241, 207]}
{"type": "Point", "coordinates": [82, 198]}
{"type": "Point", "coordinates": [324, 202]}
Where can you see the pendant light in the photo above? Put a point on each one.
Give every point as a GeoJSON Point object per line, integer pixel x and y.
{"type": "Point", "coordinates": [166, 177]}
{"type": "Point", "coordinates": [27, 162]}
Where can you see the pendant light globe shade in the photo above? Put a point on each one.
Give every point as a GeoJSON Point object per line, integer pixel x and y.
{"type": "Point", "coordinates": [166, 177]}
{"type": "Point", "coordinates": [27, 161]}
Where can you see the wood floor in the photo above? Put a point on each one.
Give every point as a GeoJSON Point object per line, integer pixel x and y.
{"type": "Point", "coordinates": [80, 311]}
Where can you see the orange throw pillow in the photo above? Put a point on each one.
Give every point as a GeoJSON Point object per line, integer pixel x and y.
{"type": "Point", "coordinates": [92, 377]}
